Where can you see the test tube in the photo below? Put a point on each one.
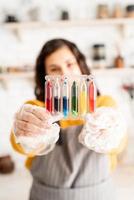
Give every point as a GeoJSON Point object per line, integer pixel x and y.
{"type": "Point", "coordinates": [65, 97]}
{"type": "Point", "coordinates": [48, 95]}
{"type": "Point", "coordinates": [83, 97]}
{"type": "Point", "coordinates": [57, 96]}
{"type": "Point", "coordinates": [92, 96]}
{"type": "Point", "coordinates": [74, 99]}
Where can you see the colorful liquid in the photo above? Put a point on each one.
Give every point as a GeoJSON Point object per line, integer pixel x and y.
{"type": "Point", "coordinates": [83, 98]}
{"type": "Point", "coordinates": [92, 105]}
{"type": "Point", "coordinates": [83, 102]}
{"type": "Point", "coordinates": [49, 96]}
{"type": "Point", "coordinates": [74, 99]}
{"type": "Point", "coordinates": [49, 104]}
{"type": "Point", "coordinates": [65, 106]}
{"type": "Point", "coordinates": [57, 104]}
{"type": "Point", "coordinates": [92, 97]}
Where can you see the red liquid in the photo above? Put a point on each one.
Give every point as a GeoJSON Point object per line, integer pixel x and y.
{"type": "Point", "coordinates": [92, 97]}
{"type": "Point", "coordinates": [49, 96]}
{"type": "Point", "coordinates": [92, 105]}
{"type": "Point", "coordinates": [49, 104]}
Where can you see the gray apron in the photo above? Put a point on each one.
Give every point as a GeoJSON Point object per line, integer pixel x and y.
{"type": "Point", "coordinates": [71, 172]}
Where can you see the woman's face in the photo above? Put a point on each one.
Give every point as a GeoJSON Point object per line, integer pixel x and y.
{"type": "Point", "coordinates": [62, 62]}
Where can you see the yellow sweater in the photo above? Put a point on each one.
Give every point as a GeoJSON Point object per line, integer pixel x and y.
{"type": "Point", "coordinates": [101, 101]}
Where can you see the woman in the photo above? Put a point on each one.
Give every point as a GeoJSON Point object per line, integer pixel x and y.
{"type": "Point", "coordinates": [69, 167]}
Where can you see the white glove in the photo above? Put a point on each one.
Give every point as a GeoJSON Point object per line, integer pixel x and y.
{"type": "Point", "coordinates": [103, 130]}
{"type": "Point", "coordinates": [35, 130]}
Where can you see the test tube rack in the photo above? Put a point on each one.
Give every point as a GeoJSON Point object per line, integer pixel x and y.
{"type": "Point", "coordinates": [73, 96]}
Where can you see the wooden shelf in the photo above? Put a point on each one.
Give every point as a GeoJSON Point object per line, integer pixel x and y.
{"type": "Point", "coordinates": [96, 72]}
{"type": "Point", "coordinates": [113, 72]}
{"type": "Point", "coordinates": [17, 75]}
{"type": "Point", "coordinates": [70, 23]}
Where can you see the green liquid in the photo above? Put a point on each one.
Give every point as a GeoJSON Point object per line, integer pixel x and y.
{"type": "Point", "coordinates": [74, 108]}
{"type": "Point", "coordinates": [74, 102]}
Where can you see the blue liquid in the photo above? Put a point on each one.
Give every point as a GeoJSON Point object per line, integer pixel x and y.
{"type": "Point", "coordinates": [65, 106]}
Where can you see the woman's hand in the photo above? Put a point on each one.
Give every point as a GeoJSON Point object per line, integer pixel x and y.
{"type": "Point", "coordinates": [103, 130]}
{"type": "Point", "coordinates": [34, 128]}
{"type": "Point", "coordinates": [33, 120]}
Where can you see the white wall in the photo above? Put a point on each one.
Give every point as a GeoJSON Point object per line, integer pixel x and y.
{"type": "Point", "coordinates": [25, 50]}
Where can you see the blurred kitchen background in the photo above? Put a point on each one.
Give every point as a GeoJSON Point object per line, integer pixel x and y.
{"type": "Point", "coordinates": [104, 32]}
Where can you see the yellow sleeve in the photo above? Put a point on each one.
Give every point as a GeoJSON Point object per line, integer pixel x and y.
{"type": "Point", "coordinates": [110, 102]}
{"type": "Point", "coordinates": [106, 101]}
{"type": "Point", "coordinates": [17, 147]}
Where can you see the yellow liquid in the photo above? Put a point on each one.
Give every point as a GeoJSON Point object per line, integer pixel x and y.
{"type": "Point", "coordinates": [83, 102]}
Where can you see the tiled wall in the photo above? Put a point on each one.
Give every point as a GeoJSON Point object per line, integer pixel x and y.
{"type": "Point", "coordinates": [24, 49]}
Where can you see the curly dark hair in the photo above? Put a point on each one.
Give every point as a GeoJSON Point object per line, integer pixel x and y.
{"type": "Point", "coordinates": [50, 47]}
